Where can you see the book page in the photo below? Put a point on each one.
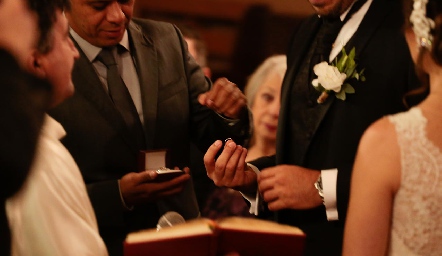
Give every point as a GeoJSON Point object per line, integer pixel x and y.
{"type": "Point", "coordinates": [190, 228]}
{"type": "Point", "coordinates": [257, 225]}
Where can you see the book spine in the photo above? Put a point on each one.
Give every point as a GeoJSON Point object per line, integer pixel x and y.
{"type": "Point", "coordinates": [213, 246]}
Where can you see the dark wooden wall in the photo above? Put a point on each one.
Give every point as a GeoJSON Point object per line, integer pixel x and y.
{"type": "Point", "coordinates": [239, 36]}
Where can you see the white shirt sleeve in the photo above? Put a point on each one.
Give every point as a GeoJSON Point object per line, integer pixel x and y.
{"type": "Point", "coordinates": [254, 201]}
{"type": "Point", "coordinates": [329, 178]}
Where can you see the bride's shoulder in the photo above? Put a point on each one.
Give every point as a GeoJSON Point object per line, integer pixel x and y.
{"type": "Point", "coordinates": [380, 131]}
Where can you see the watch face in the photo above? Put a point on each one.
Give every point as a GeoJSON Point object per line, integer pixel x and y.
{"type": "Point", "coordinates": [318, 186]}
{"type": "Point", "coordinates": [320, 182]}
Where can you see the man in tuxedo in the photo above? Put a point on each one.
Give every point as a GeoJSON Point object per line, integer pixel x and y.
{"type": "Point", "coordinates": [156, 98]}
{"type": "Point", "coordinates": [307, 182]}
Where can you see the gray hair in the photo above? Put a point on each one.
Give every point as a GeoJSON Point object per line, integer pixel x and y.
{"type": "Point", "coordinates": [276, 64]}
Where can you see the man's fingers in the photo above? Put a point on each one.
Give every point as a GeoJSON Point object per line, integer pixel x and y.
{"type": "Point", "coordinates": [186, 170]}
{"type": "Point", "coordinates": [202, 98]}
{"type": "Point", "coordinates": [209, 157]}
{"type": "Point", "coordinates": [269, 195]}
{"type": "Point", "coordinates": [224, 97]}
{"type": "Point", "coordinates": [227, 152]}
{"type": "Point", "coordinates": [147, 176]}
{"type": "Point", "coordinates": [276, 205]}
{"type": "Point", "coordinates": [232, 165]}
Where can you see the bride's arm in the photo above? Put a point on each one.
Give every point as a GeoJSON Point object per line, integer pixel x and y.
{"type": "Point", "coordinates": [375, 180]}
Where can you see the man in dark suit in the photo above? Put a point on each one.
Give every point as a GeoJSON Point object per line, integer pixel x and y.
{"type": "Point", "coordinates": [170, 104]}
{"type": "Point", "coordinates": [307, 182]}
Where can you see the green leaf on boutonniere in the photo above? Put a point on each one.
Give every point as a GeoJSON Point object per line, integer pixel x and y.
{"type": "Point", "coordinates": [340, 95]}
{"type": "Point", "coordinates": [352, 53]}
{"type": "Point", "coordinates": [341, 62]}
{"type": "Point", "coordinates": [348, 88]}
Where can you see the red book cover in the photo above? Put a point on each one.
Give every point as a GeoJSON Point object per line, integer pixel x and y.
{"type": "Point", "coordinates": [205, 237]}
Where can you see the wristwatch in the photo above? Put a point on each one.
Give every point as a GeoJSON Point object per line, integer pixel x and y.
{"type": "Point", "coordinates": [318, 186]}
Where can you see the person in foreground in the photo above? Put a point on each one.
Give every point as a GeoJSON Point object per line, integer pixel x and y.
{"type": "Point", "coordinates": [23, 102]}
{"type": "Point", "coordinates": [263, 90]}
{"type": "Point", "coordinates": [395, 194]}
{"type": "Point", "coordinates": [138, 88]}
{"type": "Point", "coordinates": [52, 214]}
{"type": "Point", "coordinates": [325, 108]}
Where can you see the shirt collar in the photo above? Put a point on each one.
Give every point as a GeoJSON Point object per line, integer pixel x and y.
{"type": "Point", "coordinates": [52, 128]}
{"type": "Point", "coordinates": [362, 11]}
{"type": "Point", "coordinates": [342, 17]}
{"type": "Point", "coordinates": [91, 51]}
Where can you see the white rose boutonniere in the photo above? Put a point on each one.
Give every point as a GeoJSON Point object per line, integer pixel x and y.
{"type": "Point", "coordinates": [334, 77]}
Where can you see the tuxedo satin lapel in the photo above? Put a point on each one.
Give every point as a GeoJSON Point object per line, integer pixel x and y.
{"type": "Point", "coordinates": [89, 85]}
{"type": "Point", "coordinates": [146, 57]}
{"type": "Point", "coordinates": [372, 20]}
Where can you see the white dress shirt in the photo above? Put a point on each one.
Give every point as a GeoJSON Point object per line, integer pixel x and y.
{"type": "Point", "coordinates": [52, 213]}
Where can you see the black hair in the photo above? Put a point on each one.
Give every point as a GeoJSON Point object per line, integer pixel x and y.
{"type": "Point", "coordinates": [46, 12]}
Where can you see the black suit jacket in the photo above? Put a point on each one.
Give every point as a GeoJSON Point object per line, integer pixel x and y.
{"type": "Point", "coordinates": [170, 82]}
{"type": "Point", "coordinates": [326, 136]}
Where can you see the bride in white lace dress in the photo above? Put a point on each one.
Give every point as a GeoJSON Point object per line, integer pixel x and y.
{"type": "Point", "coordinates": [396, 193]}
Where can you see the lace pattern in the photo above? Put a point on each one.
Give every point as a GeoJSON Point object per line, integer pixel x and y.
{"type": "Point", "coordinates": [417, 210]}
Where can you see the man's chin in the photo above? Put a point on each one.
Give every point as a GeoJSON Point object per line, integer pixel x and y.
{"type": "Point", "coordinates": [109, 39]}
{"type": "Point", "coordinates": [319, 3]}
{"type": "Point", "coordinates": [324, 7]}
{"type": "Point", "coordinates": [109, 42]}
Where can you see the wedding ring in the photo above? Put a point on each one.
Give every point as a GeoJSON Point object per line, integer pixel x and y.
{"type": "Point", "coordinates": [162, 169]}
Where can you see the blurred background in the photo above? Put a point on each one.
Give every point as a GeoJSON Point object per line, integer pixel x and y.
{"type": "Point", "coordinates": [239, 34]}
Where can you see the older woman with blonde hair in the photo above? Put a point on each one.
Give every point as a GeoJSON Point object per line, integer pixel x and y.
{"type": "Point", "coordinates": [263, 91]}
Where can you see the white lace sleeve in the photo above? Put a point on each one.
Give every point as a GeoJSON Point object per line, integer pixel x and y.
{"type": "Point", "coordinates": [417, 210]}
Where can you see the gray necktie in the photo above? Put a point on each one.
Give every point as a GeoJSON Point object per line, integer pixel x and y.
{"type": "Point", "coordinates": [120, 95]}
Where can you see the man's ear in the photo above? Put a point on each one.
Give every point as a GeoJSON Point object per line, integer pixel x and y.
{"type": "Point", "coordinates": [35, 66]}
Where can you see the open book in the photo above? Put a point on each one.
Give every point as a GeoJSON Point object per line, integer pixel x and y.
{"type": "Point", "coordinates": [205, 237]}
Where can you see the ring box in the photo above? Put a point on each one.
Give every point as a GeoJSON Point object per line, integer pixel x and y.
{"type": "Point", "coordinates": [157, 160]}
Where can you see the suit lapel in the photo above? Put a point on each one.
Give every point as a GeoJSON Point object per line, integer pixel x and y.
{"type": "Point", "coordinates": [146, 56]}
{"type": "Point", "coordinates": [88, 84]}
{"type": "Point", "coordinates": [373, 19]}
